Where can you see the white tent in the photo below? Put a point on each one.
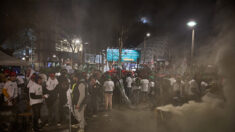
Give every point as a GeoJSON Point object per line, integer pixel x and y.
{"type": "Point", "coordinates": [6, 60]}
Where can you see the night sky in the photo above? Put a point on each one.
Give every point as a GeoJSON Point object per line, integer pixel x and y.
{"type": "Point", "coordinates": [98, 21]}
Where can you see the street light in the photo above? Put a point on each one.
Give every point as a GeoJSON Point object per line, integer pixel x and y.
{"type": "Point", "coordinates": [148, 35]}
{"type": "Point", "coordinates": [192, 24]}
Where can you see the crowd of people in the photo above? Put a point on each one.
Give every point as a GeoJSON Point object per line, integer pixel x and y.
{"type": "Point", "coordinates": [79, 95]}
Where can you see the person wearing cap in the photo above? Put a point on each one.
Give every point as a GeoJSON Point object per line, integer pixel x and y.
{"type": "Point", "coordinates": [51, 87]}
{"type": "Point", "coordinates": [10, 90]}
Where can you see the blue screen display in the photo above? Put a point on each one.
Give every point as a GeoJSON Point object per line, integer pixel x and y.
{"type": "Point", "coordinates": [127, 55]}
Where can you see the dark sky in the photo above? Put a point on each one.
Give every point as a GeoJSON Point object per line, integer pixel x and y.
{"type": "Point", "coordinates": [97, 21]}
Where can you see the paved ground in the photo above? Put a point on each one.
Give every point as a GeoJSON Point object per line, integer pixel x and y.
{"type": "Point", "coordinates": [122, 119]}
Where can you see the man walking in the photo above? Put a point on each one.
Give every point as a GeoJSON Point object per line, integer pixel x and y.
{"type": "Point", "coordinates": [79, 93]}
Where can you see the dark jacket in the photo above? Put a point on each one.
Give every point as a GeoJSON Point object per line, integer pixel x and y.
{"type": "Point", "coordinates": [76, 93]}
{"type": "Point", "coordinates": [63, 86]}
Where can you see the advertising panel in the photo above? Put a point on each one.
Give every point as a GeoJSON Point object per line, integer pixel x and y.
{"type": "Point", "coordinates": [128, 55]}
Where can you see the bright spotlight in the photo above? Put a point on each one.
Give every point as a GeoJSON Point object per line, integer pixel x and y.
{"type": "Point", "coordinates": [191, 23]}
{"type": "Point", "coordinates": [148, 34]}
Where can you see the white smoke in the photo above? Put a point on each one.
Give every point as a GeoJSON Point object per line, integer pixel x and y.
{"type": "Point", "coordinates": [212, 114]}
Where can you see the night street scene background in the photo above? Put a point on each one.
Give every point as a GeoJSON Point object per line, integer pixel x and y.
{"type": "Point", "coordinates": [117, 66]}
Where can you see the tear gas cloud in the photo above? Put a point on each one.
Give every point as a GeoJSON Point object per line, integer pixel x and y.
{"type": "Point", "coordinates": [212, 114]}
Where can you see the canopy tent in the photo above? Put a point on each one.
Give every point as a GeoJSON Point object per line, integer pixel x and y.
{"type": "Point", "coordinates": [6, 60]}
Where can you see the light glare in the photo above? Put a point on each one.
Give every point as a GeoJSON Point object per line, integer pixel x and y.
{"type": "Point", "coordinates": [191, 23]}
{"type": "Point", "coordinates": [148, 34]}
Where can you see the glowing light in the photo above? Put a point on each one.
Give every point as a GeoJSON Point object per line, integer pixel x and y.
{"type": "Point", "coordinates": [80, 48]}
{"type": "Point", "coordinates": [191, 23]}
{"type": "Point", "coordinates": [54, 56]}
{"type": "Point", "coordinates": [148, 34]}
{"type": "Point", "coordinates": [77, 41]}
{"type": "Point", "coordinates": [144, 20]}
{"type": "Point", "coordinates": [23, 58]}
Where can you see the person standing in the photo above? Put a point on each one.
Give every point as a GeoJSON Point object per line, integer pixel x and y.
{"type": "Point", "coordinates": [51, 86]}
{"type": "Point", "coordinates": [36, 99]}
{"type": "Point", "coordinates": [144, 88]}
{"type": "Point", "coordinates": [63, 86]}
{"type": "Point", "coordinates": [108, 93]}
{"type": "Point", "coordinates": [10, 90]}
{"type": "Point", "coordinates": [79, 94]}
{"type": "Point", "coordinates": [94, 92]}
{"type": "Point", "coordinates": [129, 81]}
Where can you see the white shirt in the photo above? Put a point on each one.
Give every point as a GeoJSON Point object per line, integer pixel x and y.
{"type": "Point", "coordinates": [12, 89]}
{"type": "Point", "coordinates": [108, 85]}
{"type": "Point", "coordinates": [176, 87]}
{"type": "Point", "coordinates": [69, 100]}
{"type": "Point", "coordinates": [151, 84]}
{"type": "Point", "coordinates": [37, 90]}
{"type": "Point", "coordinates": [20, 80]}
{"type": "Point", "coordinates": [192, 84]}
{"type": "Point", "coordinates": [129, 82]}
{"type": "Point", "coordinates": [30, 83]}
{"type": "Point", "coordinates": [144, 85]}
{"type": "Point", "coordinates": [204, 84]}
{"type": "Point", "coordinates": [172, 81]}
{"type": "Point", "coordinates": [51, 84]}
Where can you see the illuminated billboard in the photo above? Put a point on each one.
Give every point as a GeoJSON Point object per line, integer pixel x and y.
{"type": "Point", "coordinates": [128, 55]}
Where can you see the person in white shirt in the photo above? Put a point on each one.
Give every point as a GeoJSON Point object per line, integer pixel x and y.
{"type": "Point", "coordinates": [10, 90]}
{"type": "Point", "coordinates": [129, 81]}
{"type": "Point", "coordinates": [108, 92]}
{"type": "Point", "coordinates": [36, 99]}
{"type": "Point", "coordinates": [51, 87]}
{"type": "Point", "coordinates": [193, 90]}
{"type": "Point", "coordinates": [144, 89]}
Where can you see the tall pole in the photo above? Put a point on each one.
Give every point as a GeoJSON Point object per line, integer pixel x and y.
{"type": "Point", "coordinates": [192, 24]}
{"type": "Point", "coordinates": [144, 50]}
{"type": "Point", "coordinates": [147, 35]}
{"type": "Point", "coordinates": [192, 48]}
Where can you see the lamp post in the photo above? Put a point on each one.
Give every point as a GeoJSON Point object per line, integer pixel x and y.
{"type": "Point", "coordinates": [192, 24]}
{"type": "Point", "coordinates": [147, 36]}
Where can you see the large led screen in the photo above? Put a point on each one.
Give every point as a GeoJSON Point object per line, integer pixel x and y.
{"type": "Point", "coordinates": [127, 55]}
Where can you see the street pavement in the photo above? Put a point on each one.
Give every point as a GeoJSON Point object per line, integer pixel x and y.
{"type": "Point", "coordinates": [120, 119]}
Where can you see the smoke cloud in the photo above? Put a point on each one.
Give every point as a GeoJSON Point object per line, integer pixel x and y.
{"type": "Point", "coordinates": [212, 114]}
